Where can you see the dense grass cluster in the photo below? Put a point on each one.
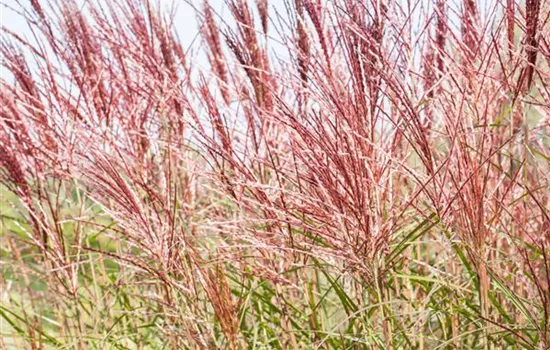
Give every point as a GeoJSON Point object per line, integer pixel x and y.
{"type": "Point", "coordinates": [336, 174]}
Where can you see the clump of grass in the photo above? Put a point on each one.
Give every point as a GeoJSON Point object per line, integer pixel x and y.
{"type": "Point", "coordinates": [340, 174]}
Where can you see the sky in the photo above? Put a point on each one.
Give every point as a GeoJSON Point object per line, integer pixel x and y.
{"type": "Point", "coordinates": [185, 21]}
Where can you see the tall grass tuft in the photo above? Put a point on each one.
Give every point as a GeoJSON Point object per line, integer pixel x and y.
{"type": "Point", "coordinates": [309, 175]}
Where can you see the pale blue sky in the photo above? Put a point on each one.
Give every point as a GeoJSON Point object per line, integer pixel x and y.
{"type": "Point", "coordinates": [185, 19]}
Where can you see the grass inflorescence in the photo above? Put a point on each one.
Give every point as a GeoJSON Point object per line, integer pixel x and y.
{"type": "Point", "coordinates": [310, 175]}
